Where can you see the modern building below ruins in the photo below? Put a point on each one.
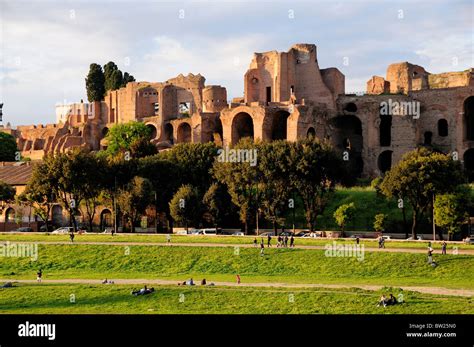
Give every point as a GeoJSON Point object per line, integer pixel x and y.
{"type": "Point", "coordinates": [286, 96]}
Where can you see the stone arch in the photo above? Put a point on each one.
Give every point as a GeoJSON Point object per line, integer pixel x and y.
{"type": "Point", "coordinates": [153, 131]}
{"type": "Point", "coordinates": [169, 132]}
{"type": "Point", "coordinates": [442, 127]}
{"type": "Point", "coordinates": [469, 118]}
{"type": "Point", "coordinates": [311, 133]}
{"type": "Point", "coordinates": [384, 161]}
{"type": "Point", "coordinates": [57, 215]}
{"type": "Point", "coordinates": [385, 130]}
{"type": "Point", "coordinates": [468, 159]}
{"type": "Point", "coordinates": [106, 219]}
{"type": "Point", "coordinates": [242, 126]}
{"type": "Point", "coordinates": [10, 215]}
{"type": "Point", "coordinates": [279, 125]}
{"type": "Point", "coordinates": [184, 133]}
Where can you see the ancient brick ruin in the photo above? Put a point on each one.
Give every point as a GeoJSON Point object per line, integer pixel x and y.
{"type": "Point", "coordinates": [286, 96]}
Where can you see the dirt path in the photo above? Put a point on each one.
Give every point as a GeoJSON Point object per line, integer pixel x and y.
{"type": "Point", "coordinates": [425, 290]}
{"type": "Point", "coordinates": [209, 244]}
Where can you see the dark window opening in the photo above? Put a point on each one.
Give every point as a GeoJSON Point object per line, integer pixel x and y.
{"type": "Point", "coordinates": [385, 130]}
{"type": "Point", "coordinates": [350, 107]}
{"type": "Point", "coordinates": [428, 136]}
{"type": "Point", "coordinates": [385, 161]}
{"type": "Point", "coordinates": [269, 94]}
{"type": "Point", "coordinates": [443, 127]}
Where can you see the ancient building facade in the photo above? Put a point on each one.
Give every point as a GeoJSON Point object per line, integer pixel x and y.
{"type": "Point", "coordinates": [286, 96]}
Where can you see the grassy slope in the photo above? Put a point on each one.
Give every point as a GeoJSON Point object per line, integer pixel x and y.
{"type": "Point", "coordinates": [55, 298]}
{"type": "Point", "coordinates": [220, 264]}
{"type": "Point", "coordinates": [26, 237]}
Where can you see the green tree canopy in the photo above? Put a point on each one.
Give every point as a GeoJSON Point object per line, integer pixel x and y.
{"type": "Point", "coordinates": [127, 136]}
{"type": "Point", "coordinates": [315, 170]}
{"type": "Point", "coordinates": [134, 198]}
{"type": "Point", "coordinates": [8, 147]}
{"type": "Point", "coordinates": [419, 176]}
{"type": "Point", "coordinates": [343, 215]}
{"type": "Point", "coordinates": [95, 83]}
{"type": "Point", "coordinates": [452, 210]}
{"type": "Point", "coordinates": [186, 207]}
{"type": "Point", "coordinates": [241, 180]}
{"type": "Point", "coordinates": [114, 78]}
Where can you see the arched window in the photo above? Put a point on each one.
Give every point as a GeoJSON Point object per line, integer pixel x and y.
{"type": "Point", "coordinates": [10, 215]}
{"type": "Point", "coordinates": [443, 127]}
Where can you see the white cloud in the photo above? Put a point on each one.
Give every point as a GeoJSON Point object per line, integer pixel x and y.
{"type": "Point", "coordinates": [448, 53]}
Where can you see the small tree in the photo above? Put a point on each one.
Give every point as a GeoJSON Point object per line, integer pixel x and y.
{"type": "Point", "coordinates": [451, 211]}
{"type": "Point", "coordinates": [185, 207]}
{"type": "Point", "coordinates": [379, 222]}
{"type": "Point", "coordinates": [134, 199]}
{"type": "Point", "coordinates": [217, 201]}
{"type": "Point", "coordinates": [344, 215]}
{"type": "Point", "coordinates": [420, 175]}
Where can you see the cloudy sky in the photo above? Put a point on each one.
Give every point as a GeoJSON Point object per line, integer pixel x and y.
{"type": "Point", "coordinates": [46, 46]}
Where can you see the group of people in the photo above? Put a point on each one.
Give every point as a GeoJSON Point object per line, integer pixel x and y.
{"type": "Point", "coordinates": [190, 282]}
{"type": "Point", "coordinates": [384, 301]}
{"type": "Point", "coordinates": [282, 241]}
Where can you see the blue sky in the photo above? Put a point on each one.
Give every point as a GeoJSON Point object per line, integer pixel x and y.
{"type": "Point", "coordinates": [47, 46]}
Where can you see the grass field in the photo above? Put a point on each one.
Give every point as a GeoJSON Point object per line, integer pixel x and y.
{"type": "Point", "coordinates": [221, 264]}
{"type": "Point", "coordinates": [157, 238]}
{"type": "Point", "coordinates": [97, 299]}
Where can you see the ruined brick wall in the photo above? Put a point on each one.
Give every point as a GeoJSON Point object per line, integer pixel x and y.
{"type": "Point", "coordinates": [275, 76]}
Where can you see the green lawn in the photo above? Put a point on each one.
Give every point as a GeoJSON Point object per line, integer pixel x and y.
{"type": "Point", "coordinates": [221, 264]}
{"type": "Point", "coordinates": [157, 238]}
{"type": "Point", "coordinates": [116, 299]}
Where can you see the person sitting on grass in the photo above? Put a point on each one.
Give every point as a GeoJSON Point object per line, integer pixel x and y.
{"type": "Point", "coordinates": [203, 282]}
{"type": "Point", "coordinates": [7, 285]}
{"type": "Point", "coordinates": [392, 300]}
{"type": "Point", "coordinates": [383, 301]}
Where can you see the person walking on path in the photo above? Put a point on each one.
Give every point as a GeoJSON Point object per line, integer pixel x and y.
{"type": "Point", "coordinates": [168, 238]}
{"type": "Point", "coordinates": [286, 241]}
{"type": "Point", "coordinates": [443, 247]}
{"type": "Point", "coordinates": [255, 242]}
{"type": "Point", "coordinates": [238, 279]}
{"type": "Point", "coordinates": [430, 254]}
{"type": "Point", "coordinates": [71, 236]}
{"type": "Point", "coordinates": [262, 248]}
{"type": "Point", "coordinates": [292, 241]}
{"type": "Point", "coordinates": [39, 275]}
{"type": "Point", "coordinates": [279, 241]}
{"type": "Point", "coordinates": [269, 241]}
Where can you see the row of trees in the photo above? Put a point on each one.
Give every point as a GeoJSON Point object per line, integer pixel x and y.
{"type": "Point", "coordinates": [100, 80]}
{"type": "Point", "coordinates": [192, 185]}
